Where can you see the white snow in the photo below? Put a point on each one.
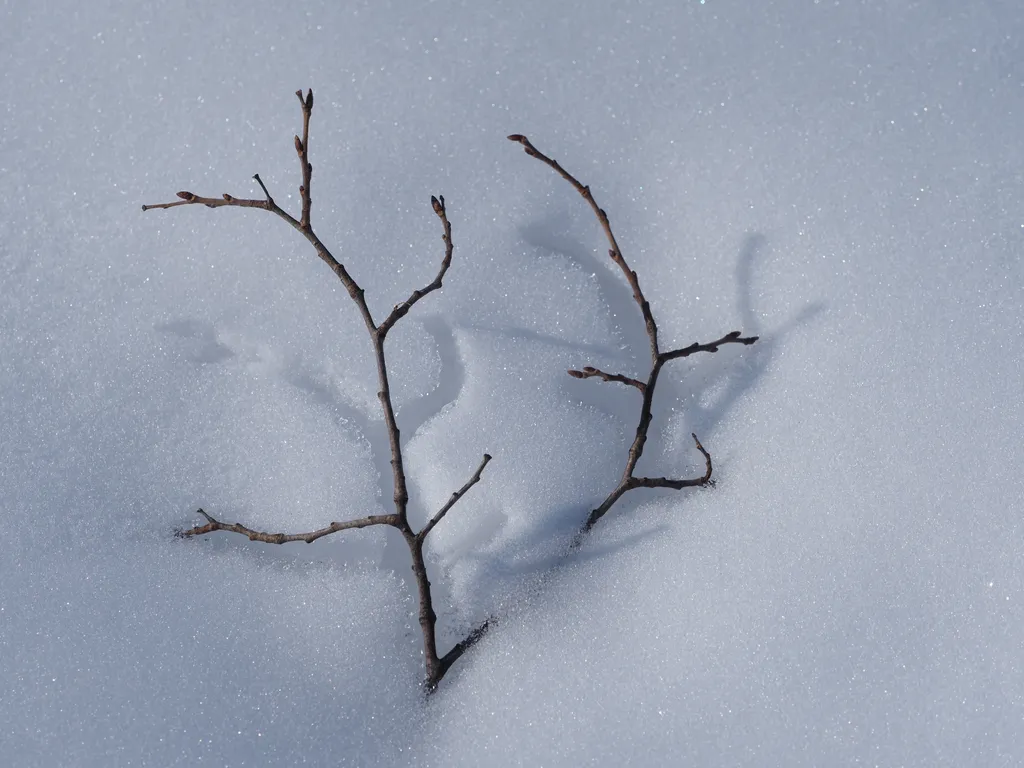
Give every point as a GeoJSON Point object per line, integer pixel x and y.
{"type": "Point", "coordinates": [844, 178]}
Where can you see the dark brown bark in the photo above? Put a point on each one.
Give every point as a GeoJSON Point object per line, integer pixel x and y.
{"type": "Point", "coordinates": [590, 372]}
{"type": "Point", "coordinates": [435, 667]}
{"type": "Point", "coordinates": [629, 480]}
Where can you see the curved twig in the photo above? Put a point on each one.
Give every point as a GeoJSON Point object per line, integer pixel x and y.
{"type": "Point", "coordinates": [614, 252]}
{"type": "Point", "coordinates": [401, 310]}
{"type": "Point", "coordinates": [629, 480]}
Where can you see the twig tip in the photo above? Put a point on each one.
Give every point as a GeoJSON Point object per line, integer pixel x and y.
{"type": "Point", "coordinates": [202, 512]}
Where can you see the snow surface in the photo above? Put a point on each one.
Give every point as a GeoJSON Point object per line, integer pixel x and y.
{"type": "Point", "coordinates": [844, 177]}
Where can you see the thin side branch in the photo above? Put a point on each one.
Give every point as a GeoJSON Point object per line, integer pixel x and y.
{"type": "Point", "coordinates": [591, 372]}
{"type": "Point", "coordinates": [629, 482]}
{"type": "Point", "coordinates": [285, 538]}
{"type": "Point", "coordinates": [258, 180]}
{"type": "Point", "coordinates": [302, 149]}
{"type": "Point", "coordinates": [187, 198]}
{"type": "Point", "coordinates": [401, 310]}
{"type": "Point", "coordinates": [664, 482]}
{"type": "Point", "coordinates": [712, 346]}
{"type": "Point", "coordinates": [453, 500]}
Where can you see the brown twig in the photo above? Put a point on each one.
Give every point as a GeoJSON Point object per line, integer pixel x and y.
{"type": "Point", "coordinates": [614, 252]}
{"type": "Point", "coordinates": [302, 149]}
{"type": "Point", "coordinates": [664, 482]}
{"type": "Point", "coordinates": [465, 644]}
{"type": "Point", "coordinates": [589, 372]}
{"type": "Point", "coordinates": [435, 666]}
{"type": "Point", "coordinates": [629, 480]}
{"type": "Point", "coordinates": [401, 310]}
{"type": "Point", "coordinates": [285, 538]}
{"type": "Point", "coordinates": [712, 346]}
{"type": "Point", "coordinates": [454, 499]}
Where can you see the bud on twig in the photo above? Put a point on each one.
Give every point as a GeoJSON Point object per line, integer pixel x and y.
{"type": "Point", "coordinates": [186, 196]}
{"type": "Point", "coordinates": [298, 145]}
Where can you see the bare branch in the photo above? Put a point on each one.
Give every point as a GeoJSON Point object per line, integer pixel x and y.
{"type": "Point", "coordinates": [591, 372]}
{"type": "Point", "coordinates": [615, 252]}
{"type": "Point", "coordinates": [187, 198]}
{"type": "Point", "coordinates": [285, 538]}
{"type": "Point", "coordinates": [401, 310]}
{"type": "Point", "coordinates": [435, 667]}
{"type": "Point", "coordinates": [711, 346]}
{"type": "Point", "coordinates": [454, 499]}
{"type": "Point", "coordinates": [302, 149]}
{"type": "Point", "coordinates": [629, 480]}
{"type": "Point", "coordinates": [263, 186]}
{"type": "Point", "coordinates": [664, 482]}
{"type": "Point", "coordinates": [464, 645]}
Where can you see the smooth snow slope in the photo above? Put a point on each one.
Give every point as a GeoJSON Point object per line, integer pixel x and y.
{"type": "Point", "coordinates": [844, 178]}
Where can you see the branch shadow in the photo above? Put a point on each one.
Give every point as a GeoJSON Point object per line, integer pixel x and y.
{"type": "Point", "coordinates": [716, 384]}
{"type": "Point", "coordinates": [522, 583]}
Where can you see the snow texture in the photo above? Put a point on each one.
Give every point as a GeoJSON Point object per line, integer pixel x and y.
{"type": "Point", "coordinates": [843, 177]}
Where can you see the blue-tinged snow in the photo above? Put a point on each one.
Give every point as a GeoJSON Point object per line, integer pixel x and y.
{"type": "Point", "coordinates": [845, 179]}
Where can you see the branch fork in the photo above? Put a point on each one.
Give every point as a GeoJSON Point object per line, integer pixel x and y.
{"type": "Point", "coordinates": [435, 664]}
{"type": "Point", "coordinates": [629, 479]}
